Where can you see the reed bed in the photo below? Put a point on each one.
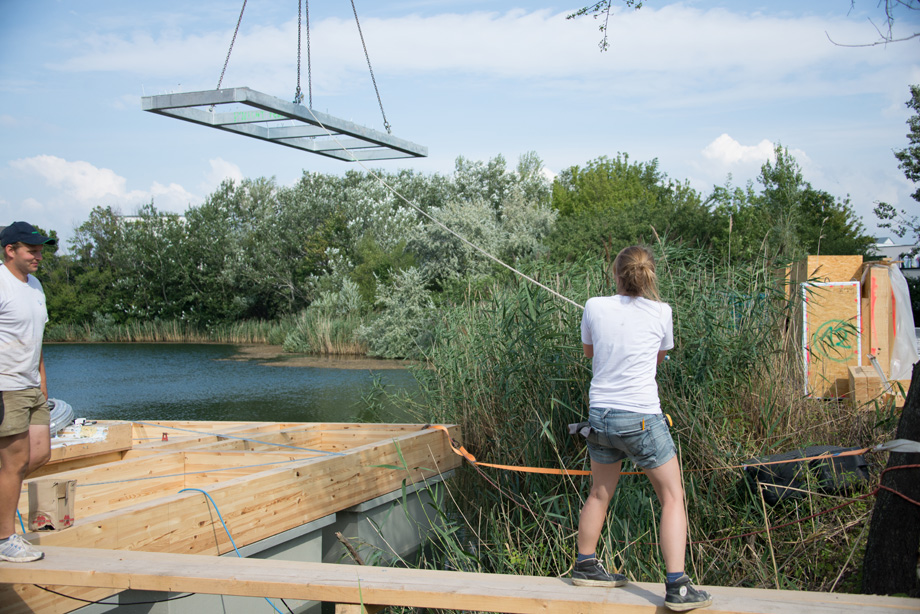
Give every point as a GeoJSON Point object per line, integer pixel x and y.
{"type": "Point", "coordinates": [507, 366]}
{"type": "Point", "coordinates": [311, 332]}
{"type": "Point", "coordinates": [172, 331]}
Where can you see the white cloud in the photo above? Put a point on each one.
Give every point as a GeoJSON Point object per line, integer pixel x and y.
{"type": "Point", "coordinates": [72, 188]}
{"type": "Point", "coordinates": [220, 170]}
{"type": "Point", "coordinates": [728, 152]}
{"type": "Point", "coordinates": [80, 180]}
{"type": "Point", "coordinates": [689, 55]}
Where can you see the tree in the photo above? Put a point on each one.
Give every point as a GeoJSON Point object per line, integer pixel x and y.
{"type": "Point", "coordinates": [611, 203]}
{"type": "Point", "coordinates": [890, 563]}
{"type": "Point", "coordinates": [787, 220]}
{"type": "Point", "coordinates": [891, 9]}
{"type": "Point", "coordinates": [900, 221]}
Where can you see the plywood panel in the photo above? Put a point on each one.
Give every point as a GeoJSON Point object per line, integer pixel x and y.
{"type": "Point", "coordinates": [831, 337]}
{"type": "Point", "coordinates": [878, 322]}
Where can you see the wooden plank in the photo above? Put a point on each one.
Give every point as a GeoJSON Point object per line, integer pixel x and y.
{"type": "Point", "coordinates": [831, 337]}
{"type": "Point", "coordinates": [116, 485]}
{"type": "Point", "coordinates": [878, 322]}
{"type": "Point", "coordinates": [405, 587]}
{"type": "Point", "coordinates": [117, 437]}
{"type": "Point", "coordinates": [79, 463]}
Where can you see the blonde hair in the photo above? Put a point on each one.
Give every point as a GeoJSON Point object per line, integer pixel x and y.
{"type": "Point", "coordinates": [634, 272]}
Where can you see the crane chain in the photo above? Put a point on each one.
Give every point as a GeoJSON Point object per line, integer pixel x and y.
{"type": "Point", "coordinates": [386, 124]}
{"type": "Point", "coordinates": [232, 41]}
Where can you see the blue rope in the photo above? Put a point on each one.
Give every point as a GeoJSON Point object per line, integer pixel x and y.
{"type": "Point", "coordinates": [225, 436]}
{"type": "Point", "coordinates": [20, 522]}
{"type": "Point", "coordinates": [235, 549]}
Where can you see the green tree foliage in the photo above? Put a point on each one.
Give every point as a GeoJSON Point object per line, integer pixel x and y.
{"type": "Point", "coordinates": [786, 220]}
{"type": "Point", "coordinates": [611, 203]}
{"type": "Point", "coordinates": [902, 223]}
{"type": "Point", "coordinates": [504, 213]}
{"type": "Point", "coordinates": [402, 328]}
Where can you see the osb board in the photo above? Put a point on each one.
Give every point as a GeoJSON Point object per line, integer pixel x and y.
{"type": "Point", "coordinates": [254, 506]}
{"type": "Point", "coordinates": [827, 269]}
{"type": "Point", "coordinates": [831, 339]}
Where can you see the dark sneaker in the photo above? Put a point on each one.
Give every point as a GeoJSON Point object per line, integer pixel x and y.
{"type": "Point", "coordinates": [680, 596]}
{"type": "Point", "coordinates": [591, 572]}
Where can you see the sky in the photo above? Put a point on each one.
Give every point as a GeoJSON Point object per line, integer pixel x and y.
{"type": "Point", "coordinates": [705, 87]}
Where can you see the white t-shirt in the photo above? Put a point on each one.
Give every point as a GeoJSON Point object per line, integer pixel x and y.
{"type": "Point", "coordinates": [22, 324]}
{"type": "Point", "coordinates": [627, 333]}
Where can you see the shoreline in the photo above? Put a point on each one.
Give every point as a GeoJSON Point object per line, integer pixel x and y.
{"type": "Point", "coordinates": [275, 356]}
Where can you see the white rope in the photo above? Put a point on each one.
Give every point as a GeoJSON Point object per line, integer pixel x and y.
{"type": "Point", "coordinates": [439, 223]}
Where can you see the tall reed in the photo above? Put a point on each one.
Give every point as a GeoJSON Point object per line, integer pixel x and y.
{"type": "Point", "coordinates": [507, 367]}
{"type": "Point", "coordinates": [105, 329]}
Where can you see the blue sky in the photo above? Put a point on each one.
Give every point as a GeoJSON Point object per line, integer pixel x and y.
{"type": "Point", "coordinates": [707, 87]}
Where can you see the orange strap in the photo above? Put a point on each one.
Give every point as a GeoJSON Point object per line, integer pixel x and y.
{"type": "Point", "coordinates": [461, 451]}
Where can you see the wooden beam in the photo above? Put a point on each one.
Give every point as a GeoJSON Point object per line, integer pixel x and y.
{"type": "Point", "coordinates": [357, 584]}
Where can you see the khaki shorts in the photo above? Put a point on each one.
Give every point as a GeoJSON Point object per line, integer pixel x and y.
{"type": "Point", "coordinates": [20, 409]}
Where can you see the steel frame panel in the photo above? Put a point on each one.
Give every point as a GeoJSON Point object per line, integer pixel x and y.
{"type": "Point", "coordinates": [311, 130]}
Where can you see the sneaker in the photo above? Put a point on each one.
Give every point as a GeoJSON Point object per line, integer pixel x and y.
{"type": "Point", "coordinates": [17, 550]}
{"type": "Point", "coordinates": [591, 572]}
{"type": "Point", "coordinates": [680, 596]}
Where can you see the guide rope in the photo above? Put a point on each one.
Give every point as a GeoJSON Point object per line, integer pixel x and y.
{"type": "Point", "coordinates": [437, 222]}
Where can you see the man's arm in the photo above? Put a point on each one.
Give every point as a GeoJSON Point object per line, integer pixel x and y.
{"type": "Point", "coordinates": [41, 374]}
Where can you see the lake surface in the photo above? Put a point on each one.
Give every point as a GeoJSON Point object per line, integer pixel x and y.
{"type": "Point", "coordinates": [141, 381]}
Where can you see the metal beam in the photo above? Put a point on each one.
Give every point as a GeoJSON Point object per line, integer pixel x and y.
{"type": "Point", "coordinates": [258, 115]}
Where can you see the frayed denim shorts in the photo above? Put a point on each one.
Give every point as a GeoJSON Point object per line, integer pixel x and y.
{"type": "Point", "coordinates": [618, 434]}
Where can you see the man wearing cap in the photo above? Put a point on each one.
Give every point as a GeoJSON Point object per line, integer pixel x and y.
{"type": "Point", "coordinates": [25, 439]}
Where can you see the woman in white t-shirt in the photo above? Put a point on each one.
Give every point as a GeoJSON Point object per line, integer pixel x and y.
{"type": "Point", "coordinates": [627, 336]}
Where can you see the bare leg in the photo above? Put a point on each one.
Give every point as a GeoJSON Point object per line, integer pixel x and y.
{"type": "Point", "coordinates": [39, 446]}
{"type": "Point", "coordinates": [673, 538]}
{"type": "Point", "coordinates": [604, 479]}
{"type": "Point", "coordinates": [14, 461]}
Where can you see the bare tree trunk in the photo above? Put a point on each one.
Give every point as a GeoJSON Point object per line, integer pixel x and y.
{"type": "Point", "coordinates": [892, 548]}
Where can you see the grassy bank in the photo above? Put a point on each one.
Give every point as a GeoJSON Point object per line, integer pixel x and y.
{"type": "Point", "coordinates": [308, 332]}
{"type": "Point", "coordinates": [507, 367]}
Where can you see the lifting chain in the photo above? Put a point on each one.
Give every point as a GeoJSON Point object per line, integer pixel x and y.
{"type": "Point", "coordinates": [386, 124]}
{"type": "Point", "coordinates": [298, 94]}
{"type": "Point", "coordinates": [232, 41]}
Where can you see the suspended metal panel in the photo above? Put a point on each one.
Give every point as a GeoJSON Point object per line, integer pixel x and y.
{"type": "Point", "coordinates": [271, 119]}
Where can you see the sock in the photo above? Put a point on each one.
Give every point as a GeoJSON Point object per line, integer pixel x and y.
{"type": "Point", "coordinates": [585, 557]}
{"type": "Point", "coordinates": [672, 577]}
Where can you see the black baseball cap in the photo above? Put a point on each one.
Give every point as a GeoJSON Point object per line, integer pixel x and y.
{"type": "Point", "coordinates": [23, 232]}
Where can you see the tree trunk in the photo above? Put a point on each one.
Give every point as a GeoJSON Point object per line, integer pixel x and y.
{"type": "Point", "coordinates": [891, 562]}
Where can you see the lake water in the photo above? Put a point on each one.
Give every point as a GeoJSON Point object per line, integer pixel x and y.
{"type": "Point", "coordinates": [139, 381]}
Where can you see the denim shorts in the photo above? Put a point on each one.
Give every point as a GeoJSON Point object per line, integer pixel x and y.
{"type": "Point", "coordinates": [619, 434]}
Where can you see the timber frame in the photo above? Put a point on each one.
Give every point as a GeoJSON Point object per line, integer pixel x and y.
{"type": "Point", "coordinates": [144, 493]}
